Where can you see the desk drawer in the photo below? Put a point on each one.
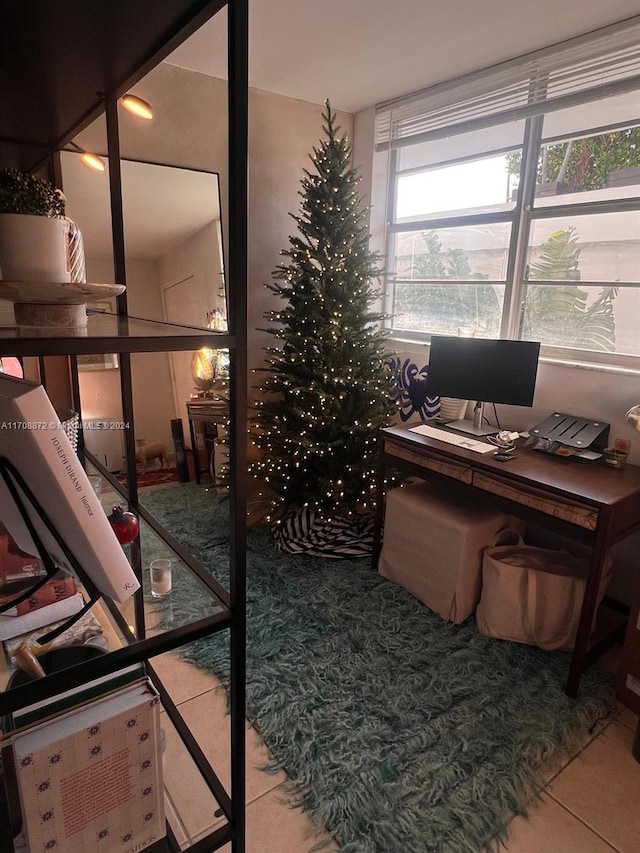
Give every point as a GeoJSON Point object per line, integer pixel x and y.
{"type": "Point", "coordinates": [455, 470]}
{"type": "Point", "coordinates": [216, 413]}
{"type": "Point", "coordinates": [582, 515]}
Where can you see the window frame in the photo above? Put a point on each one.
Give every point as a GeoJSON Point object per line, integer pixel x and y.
{"type": "Point", "coordinates": [522, 217]}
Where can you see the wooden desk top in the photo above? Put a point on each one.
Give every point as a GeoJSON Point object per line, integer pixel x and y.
{"type": "Point", "coordinates": [589, 502]}
{"type": "Point", "coordinates": [590, 482]}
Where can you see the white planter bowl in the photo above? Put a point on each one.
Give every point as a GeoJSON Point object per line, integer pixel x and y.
{"type": "Point", "coordinates": [34, 248]}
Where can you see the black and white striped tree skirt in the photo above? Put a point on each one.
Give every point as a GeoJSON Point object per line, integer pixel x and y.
{"type": "Point", "coordinates": [303, 531]}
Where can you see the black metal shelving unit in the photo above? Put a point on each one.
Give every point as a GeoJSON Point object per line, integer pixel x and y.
{"type": "Point", "coordinates": [62, 65]}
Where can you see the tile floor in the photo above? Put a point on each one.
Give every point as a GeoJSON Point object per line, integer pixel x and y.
{"type": "Point", "coordinates": [590, 804]}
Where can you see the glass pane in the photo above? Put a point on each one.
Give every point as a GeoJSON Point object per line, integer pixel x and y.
{"type": "Point", "coordinates": [166, 579]}
{"type": "Point", "coordinates": [165, 599]}
{"type": "Point", "coordinates": [587, 318]}
{"type": "Point", "coordinates": [589, 168]}
{"type": "Point", "coordinates": [194, 808]}
{"type": "Point", "coordinates": [466, 252]}
{"type": "Point", "coordinates": [574, 121]}
{"type": "Point", "coordinates": [450, 255]}
{"type": "Point", "coordinates": [476, 186]}
{"type": "Point", "coordinates": [597, 247]}
{"type": "Point", "coordinates": [446, 307]}
{"type": "Point", "coordinates": [461, 146]}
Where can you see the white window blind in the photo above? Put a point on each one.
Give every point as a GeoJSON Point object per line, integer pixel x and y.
{"type": "Point", "coordinates": [599, 65]}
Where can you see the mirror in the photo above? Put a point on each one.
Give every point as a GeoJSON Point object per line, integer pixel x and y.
{"type": "Point", "coordinates": [174, 264]}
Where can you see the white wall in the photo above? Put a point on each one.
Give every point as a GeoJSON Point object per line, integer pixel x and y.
{"type": "Point", "coordinates": [199, 256]}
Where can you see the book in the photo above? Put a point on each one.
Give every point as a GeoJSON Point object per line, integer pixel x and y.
{"type": "Point", "coordinates": [90, 780]}
{"type": "Point", "coordinates": [13, 626]}
{"type": "Point", "coordinates": [34, 441]}
{"type": "Point", "coordinates": [55, 589]}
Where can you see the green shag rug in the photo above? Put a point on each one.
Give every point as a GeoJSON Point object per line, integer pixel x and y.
{"type": "Point", "coordinates": [401, 733]}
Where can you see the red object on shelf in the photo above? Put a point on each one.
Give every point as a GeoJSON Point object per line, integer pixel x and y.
{"type": "Point", "coordinates": [18, 570]}
{"type": "Point", "coordinates": [125, 525]}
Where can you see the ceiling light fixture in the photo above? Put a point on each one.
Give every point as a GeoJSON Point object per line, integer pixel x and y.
{"type": "Point", "coordinates": [89, 159]}
{"type": "Point", "coordinates": [93, 161]}
{"type": "Point", "coordinates": [137, 106]}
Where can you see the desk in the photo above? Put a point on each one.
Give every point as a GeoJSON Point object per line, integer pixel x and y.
{"type": "Point", "coordinates": [589, 503]}
{"type": "Point", "coordinates": [206, 411]}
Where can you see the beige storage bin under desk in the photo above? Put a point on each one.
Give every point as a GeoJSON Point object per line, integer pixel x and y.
{"type": "Point", "coordinates": [433, 544]}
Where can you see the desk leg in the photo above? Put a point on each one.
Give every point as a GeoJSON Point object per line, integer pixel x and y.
{"type": "Point", "coordinates": [194, 453]}
{"type": "Point", "coordinates": [377, 530]}
{"type": "Point", "coordinates": [212, 463]}
{"type": "Point", "coordinates": [588, 609]}
{"type": "Point", "coordinates": [636, 744]}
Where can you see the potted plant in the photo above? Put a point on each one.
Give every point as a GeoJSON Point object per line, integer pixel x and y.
{"type": "Point", "coordinates": [34, 233]}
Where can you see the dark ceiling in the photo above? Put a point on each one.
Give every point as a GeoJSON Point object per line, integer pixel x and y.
{"type": "Point", "coordinates": [59, 57]}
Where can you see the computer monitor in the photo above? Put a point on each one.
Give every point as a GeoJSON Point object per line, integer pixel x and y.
{"type": "Point", "coordinates": [483, 370]}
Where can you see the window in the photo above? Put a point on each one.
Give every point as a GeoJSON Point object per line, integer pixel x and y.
{"type": "Point", "coordinates": [513, 202]}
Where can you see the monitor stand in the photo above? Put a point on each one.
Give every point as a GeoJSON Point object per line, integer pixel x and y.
{"type": "Point", "coordinates": [476, 426]}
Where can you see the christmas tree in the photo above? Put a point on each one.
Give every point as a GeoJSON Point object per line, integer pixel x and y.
{"type": "Point", "coordinates": [327, 391]}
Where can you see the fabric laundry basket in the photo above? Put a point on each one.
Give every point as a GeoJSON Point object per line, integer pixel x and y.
{"type": "Point", "coordinates": [533, 595]}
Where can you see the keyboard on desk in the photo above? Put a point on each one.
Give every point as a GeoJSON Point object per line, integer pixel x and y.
{"type": "Point", "coordinates": [463, 441]}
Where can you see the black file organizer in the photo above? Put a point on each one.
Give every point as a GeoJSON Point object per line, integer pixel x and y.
{"type": "Point", "coordinates": [573, 431]}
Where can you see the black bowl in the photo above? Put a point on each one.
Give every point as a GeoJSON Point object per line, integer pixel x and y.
{"type": "Point", "coordinates": [55, 660]}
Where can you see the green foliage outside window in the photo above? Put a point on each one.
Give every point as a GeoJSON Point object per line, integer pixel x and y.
{"type": "Point", "coordinates": [585, 164]}
{"type": "Point", "coordinates": [558, 315]}
{"type": "Point", "coordinates": [451, 304]}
